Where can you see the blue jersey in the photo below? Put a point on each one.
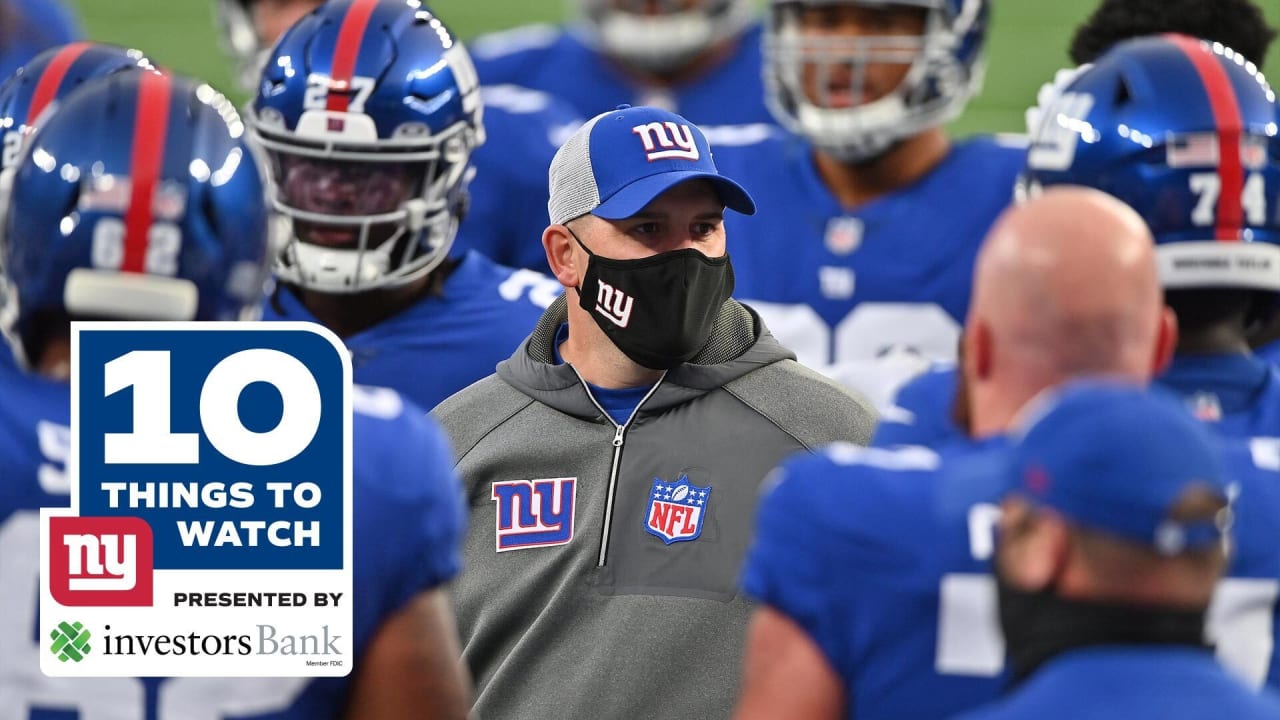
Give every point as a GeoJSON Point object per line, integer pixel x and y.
{"type": "Point", "coordinates": [559, 62]}
{"type": "Point", "coordinates": [1270, 352]}
{"type": "Point", "coordinates": [37, 26]}
{"type": "Point", "coordinates": [409, 522]}
{"type": "Point", "coordinates": [443, 342]}
{"type": "Point", "coordinates": [924, 410]}
{"type": "Point", "coordinates": [1244, 618]}
{"type": "Point", "coordinates": [1126, 682]}
{"type": "Point", "coordinates": [1237, 394]}
{"type": "Point", "coordinates": [881, 557]}
{"type": "Point", "coordinates": [508, 213]}
{"type": "Point", "coordinates": [868, 294]}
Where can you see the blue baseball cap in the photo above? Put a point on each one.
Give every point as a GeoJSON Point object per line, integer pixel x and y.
{"type": "Point", "coordinates": [1117, 458]}
{"type": "Point", "coordinates": [619, 161]}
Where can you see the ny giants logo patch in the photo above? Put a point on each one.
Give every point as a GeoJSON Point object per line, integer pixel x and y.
{"type": "Point", "coordinates": [676, 510]}
{"type": "Point", "coordinates": [534, 513]}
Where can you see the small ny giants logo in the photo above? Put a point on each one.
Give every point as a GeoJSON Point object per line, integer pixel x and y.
{"type": "Point", "coordinates": [667, 141]}
{"type": "Point", "coordinates": [100, 561]}
{"type": "Point", "coordinates": [614, 304]}
{"type": "Point", "coordinates": [534, 513]}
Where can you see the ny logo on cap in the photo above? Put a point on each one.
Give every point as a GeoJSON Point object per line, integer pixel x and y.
{"type": "Point", "coordinates": [675, 140]}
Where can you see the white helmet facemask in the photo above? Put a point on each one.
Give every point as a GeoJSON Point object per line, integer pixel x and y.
{"type": "Point", "coordinates": [818, 86]}
{"type": "Point", "coordinates": [361, 218]}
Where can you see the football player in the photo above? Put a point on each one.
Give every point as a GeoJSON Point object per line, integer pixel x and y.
{"type": "Point", "coordinates": [50, 76]}
{"type": "Point", "coordinates": [1118, 127]}
{"type": "Point", "coordinates": [927, 408]}
{"type": "Point", "coordinates": [41, 83]}
{"type": "Point", "coordinates": [369, 111]}
{"type": "Point", "coordinates": [75, 247]}
{"type": "Point", "coordinates": [860, 256]}
{"type": "Point", "coordinates": [871, 565]}
{"type": "Point", "coordinates": [697, 58]}
{"type": "Point", "coordinates": [524, 128]}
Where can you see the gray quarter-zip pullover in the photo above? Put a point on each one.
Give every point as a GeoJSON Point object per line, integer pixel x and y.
{"type": "Point", "coordinates": [564, 616]}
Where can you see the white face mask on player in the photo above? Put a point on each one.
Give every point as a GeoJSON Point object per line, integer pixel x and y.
{"type": "Point", "coordinates": [825, 63]}
{"type": "Point", "coordinates": [661, 35]}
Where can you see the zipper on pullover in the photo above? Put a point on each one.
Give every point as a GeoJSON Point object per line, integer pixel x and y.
{"type": "Point", "coordinates": [619, 439]}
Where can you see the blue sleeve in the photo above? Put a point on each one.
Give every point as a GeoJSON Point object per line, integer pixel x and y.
{"type": "Point", "coordinates": [51, 20]}
{"type": "Point", "coordinates": [787, 565]}
{"type": "Point", "coordinates": [42, 24]}
{"type": "Point", "coordinates": [1270, 352]}
{"type": "Point", "coordinates": [409, 510]}
{"type": "Point", "coordinates": [922, 412]}
{"type": "Point", "coordinates": [511, 55]}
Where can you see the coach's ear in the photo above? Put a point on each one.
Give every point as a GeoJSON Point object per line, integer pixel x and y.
{"type": "Point", "coordinates": [559, 246]}
{"type": "Point", "coordinates": [976, 350]}
{"type": "Point", "coordinates": [1166, 341]}
{"type": "Point", "coordinates": [1033, 545]}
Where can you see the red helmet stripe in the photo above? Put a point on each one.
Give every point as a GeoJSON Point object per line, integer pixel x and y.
{"type": "Point", "coordinates": [149, 130]}
{"type": "Point", "coordinates": [49, 82]}
{"type": "Point", "coordinates": [1226, 115]}
{"type": "Point", "coordinates": [350, 35]}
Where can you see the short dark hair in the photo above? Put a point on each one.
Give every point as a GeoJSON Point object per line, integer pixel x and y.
{"type": "Point", "coordinates": [1238, 24]}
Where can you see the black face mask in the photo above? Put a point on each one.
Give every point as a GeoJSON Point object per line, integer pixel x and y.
{"type": "Point", "coordinates": [1039, 625]}
{"type": "Point", "coordinates": [657, 310]}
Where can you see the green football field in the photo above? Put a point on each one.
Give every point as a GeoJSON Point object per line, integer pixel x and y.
{"type": "Point", "coordinates": [1028, 41]}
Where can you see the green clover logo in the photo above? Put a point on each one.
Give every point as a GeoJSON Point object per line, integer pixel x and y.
{"type": "Point", "coordinates": [70, 641]}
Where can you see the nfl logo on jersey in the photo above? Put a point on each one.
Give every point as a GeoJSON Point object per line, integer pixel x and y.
{"type": "Point", "coordinates": [1205, 407]}
{"type": "Point", "coordinates": [676, 510]}
{"type": "Point", "coordinates": [844, 235]}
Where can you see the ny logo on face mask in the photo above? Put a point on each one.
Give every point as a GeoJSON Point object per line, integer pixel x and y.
{"type": "Point", "coordinates": [675, 140]}
{"type": "Point", "coordinates": [614, 304]}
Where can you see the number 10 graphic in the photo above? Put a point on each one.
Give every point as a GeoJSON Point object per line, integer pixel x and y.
{"type": "Point", "coordinates": [153, 442]}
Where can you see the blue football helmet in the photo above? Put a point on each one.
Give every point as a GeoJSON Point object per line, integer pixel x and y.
{"type": "Point", "coordinates": [139, 198]}
{"type": "Point", "coordinates": [817, 81]}
{"type": "Point", "coordinates": [47, 78]}
{"type": "Point", "coordinates": [369, 111]}
{"type": "Point", "coordinates": [1185, 132]}
{"type": "Point", "coordinates": [632, 32]}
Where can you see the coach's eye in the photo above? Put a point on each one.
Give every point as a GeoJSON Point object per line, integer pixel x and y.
{"type": "Point", "coordinates": [704, 229]}
{"type": "Point", "coordinates": [647, 228]}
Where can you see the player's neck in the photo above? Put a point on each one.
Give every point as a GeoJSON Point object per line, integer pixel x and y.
{"type": "Point", "coordinates": [697, 67]}
{"type": "Point", "coordinates": [598, 360]}
{"type": "Point", "coordinates": [854, 184]}
{"type": "Point", "coordinates": [55, 359]}
{"type": "Point", "coordinates": [347, 315]}
{"type": "Point", "coordinates": [1218, 339]}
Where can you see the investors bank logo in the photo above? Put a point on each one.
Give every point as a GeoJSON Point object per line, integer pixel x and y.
{"type": "Point", "coordinates": [70, 641]}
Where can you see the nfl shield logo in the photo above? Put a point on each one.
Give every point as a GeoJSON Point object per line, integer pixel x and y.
{"type": "Point", "coordinates": [844, 235]}
{"type": "Point", "coordinates": [1205, 407]}
{"type": "Point", "coordinates": [676, 510]}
